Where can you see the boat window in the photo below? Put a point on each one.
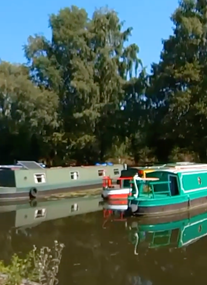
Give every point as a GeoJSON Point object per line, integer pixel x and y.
{"type": "Point", "coordinates": [39, 178]}
{"type": "Point", "coordinates": [100, 172]}
{"type": "Point", "coordinates": [199, 180]}
{"type": "Point", "coordinates": [74, 208]}
{"type": "Point", "coordinates": [40, 213]}
{"type": "Point", "coordinates": [116, 171]}
{"type": "Point", "coordinates": [74, 175]}
{"type": "Point", "coordinates": [126, 183]}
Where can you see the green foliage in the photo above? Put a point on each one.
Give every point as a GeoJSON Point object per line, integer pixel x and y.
{"type": "Point", "coordinates": [80, 96]}
{"type": "Point", "coordinates": [179, 154]}
{"type": "Point", "coordinates": [38, 266]}
{"type": "Point", "coordinates": [88, 60]}
{"type": "Point", "coordinates": [179, 81]}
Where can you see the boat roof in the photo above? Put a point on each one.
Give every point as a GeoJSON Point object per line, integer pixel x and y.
{"type": "Point", "coordinates": [175, 168]}
{"type": "Point", "coordinates": [149, 167]}
{"type": "Point", "coordinates": [169, 165]}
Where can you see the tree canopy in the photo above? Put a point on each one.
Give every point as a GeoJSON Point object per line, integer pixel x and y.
{"type": "Point", "coordinates": [84, 94]}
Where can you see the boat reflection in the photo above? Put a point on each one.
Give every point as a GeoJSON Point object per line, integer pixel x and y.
{"type": "Point", "coordinates": [26, 215]}
{"type": "Point", "coordinates": [114, 211]}
{"type": "Point", "coordinates": [177, 233]}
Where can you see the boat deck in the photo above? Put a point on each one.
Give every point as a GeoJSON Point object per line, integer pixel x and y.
{"type": "Point", "coordinates": [156, 195]}
{"type": "Point", "coordinates": [150, 196]}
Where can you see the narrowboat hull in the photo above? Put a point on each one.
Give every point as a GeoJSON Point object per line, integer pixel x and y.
{"type": "Point", "coordinates": [23, 194]}
{"type": "Point", "coordinates": [114, 194]}
{"type": "Point", "coordinates": [119, 205]}
{"type": "Point", "coordinates": [179, 204]}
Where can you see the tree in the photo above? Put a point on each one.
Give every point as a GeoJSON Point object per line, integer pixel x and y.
{"type": "Point", "coordinates": [87, 64]}
{"type": "Point", "coordinates": [26, 112]}
{"type": "Point", "coordinates": [178, 82]}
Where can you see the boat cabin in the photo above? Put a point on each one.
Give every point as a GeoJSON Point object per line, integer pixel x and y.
{"type": "Point", "coordinates": [172, 181]}
{"type": "Point", "coordinates": [169, 189]}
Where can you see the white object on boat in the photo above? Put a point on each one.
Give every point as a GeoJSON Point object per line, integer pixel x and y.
{"type": "Point", "coordinates": [116, 192]}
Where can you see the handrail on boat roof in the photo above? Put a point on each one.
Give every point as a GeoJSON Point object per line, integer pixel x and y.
{"type": "Point", "coordinates": [191, 166]}
{"type": "Point", "coordinates": [120, 178]}
{"type": "Point", "coordinates": [124, 178]}
{"type": "Point", "coordinates": [147, 178]}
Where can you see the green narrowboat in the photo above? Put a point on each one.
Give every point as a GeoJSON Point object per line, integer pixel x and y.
{"type": "Point", "coordinates": [29, 179]}
{"type": "Point", "coordinates": [175, 234]}
{"type": "Point", "coordinates": [170, 189]}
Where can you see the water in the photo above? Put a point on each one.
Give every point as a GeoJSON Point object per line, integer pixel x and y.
{"type": "Point", "coordinates": [101, 248]}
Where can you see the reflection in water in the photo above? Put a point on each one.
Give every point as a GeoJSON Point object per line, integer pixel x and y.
{"type": "Point", "coordinates": [105, 246]}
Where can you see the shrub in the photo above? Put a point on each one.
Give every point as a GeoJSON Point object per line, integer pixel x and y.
{"type": "Point", "coordinates": [40, 266]}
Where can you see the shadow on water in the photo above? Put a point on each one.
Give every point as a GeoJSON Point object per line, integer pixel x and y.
{"type": "Point", "coordinates": [105, 246]}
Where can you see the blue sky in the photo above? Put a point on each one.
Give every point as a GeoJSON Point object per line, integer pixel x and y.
{"type": "Point", "coordinates": [150, 20]}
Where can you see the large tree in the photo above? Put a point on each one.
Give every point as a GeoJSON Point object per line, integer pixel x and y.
{"type": "Point", "coordinates": [87, 63]}
{"type": "Point", "coordinates": [178, 83]}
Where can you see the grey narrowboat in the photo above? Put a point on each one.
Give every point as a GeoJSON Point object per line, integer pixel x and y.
{"type": "Point", "coordinates": [29, 179]}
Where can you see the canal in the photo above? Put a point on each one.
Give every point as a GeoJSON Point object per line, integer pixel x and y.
{"type": "Point", "coordinates": [104, 247]}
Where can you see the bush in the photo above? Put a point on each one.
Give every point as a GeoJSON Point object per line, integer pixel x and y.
{"type": "Point", "coordinates": [40, 266]}
{"type": "Point", "coordinates": [182, 154]}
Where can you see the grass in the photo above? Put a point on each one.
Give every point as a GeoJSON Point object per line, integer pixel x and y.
{"type": "Point", "coordinates": [79, 193]}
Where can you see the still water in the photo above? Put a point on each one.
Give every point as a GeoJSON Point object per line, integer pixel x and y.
{"type": "Point", "coordinates": [103, 247]}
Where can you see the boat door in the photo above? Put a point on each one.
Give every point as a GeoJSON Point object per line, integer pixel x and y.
{"type": "Point", "coordinates": [173, 185]}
